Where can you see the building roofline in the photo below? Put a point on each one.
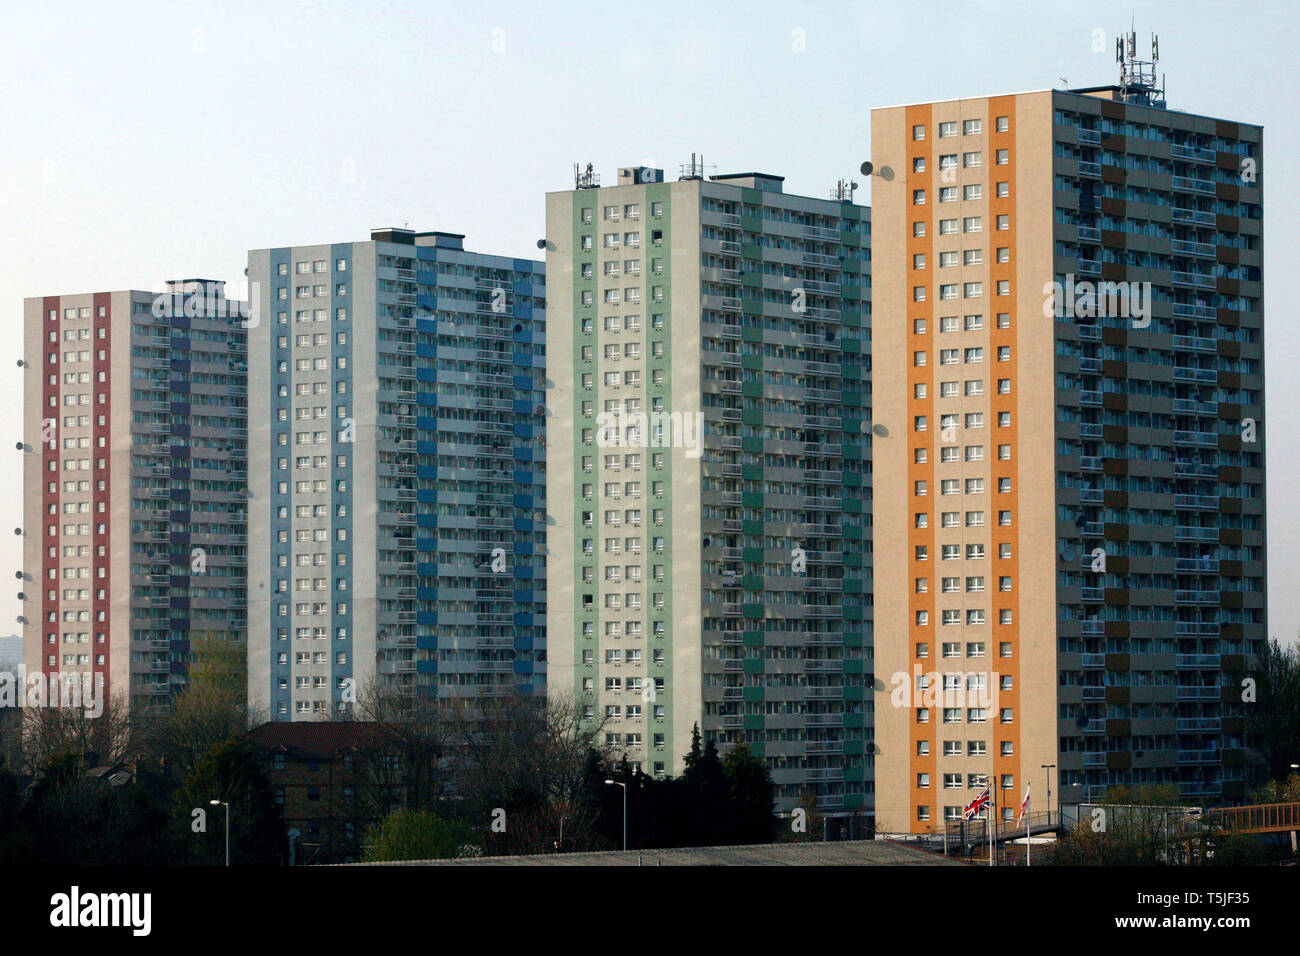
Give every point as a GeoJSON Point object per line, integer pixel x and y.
{"type": "Point", "coordinates": [1075, 91]}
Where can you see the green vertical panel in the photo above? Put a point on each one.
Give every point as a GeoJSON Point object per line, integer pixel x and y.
{"type": "Point", "coordinates": [661, 192]}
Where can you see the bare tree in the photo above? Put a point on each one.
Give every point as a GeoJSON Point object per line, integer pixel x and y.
{"type": "Point", "coordinates": [523, 771]}
{"type": "Point", "coordinates": [399, 764]}
{"type": "Point", "coordinates": [213, 707]}
{"type": "Point", "coordinates": [96, 739]}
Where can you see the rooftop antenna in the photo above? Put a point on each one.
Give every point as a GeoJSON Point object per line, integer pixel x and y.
{"type": "Point", "coordinates": [843, 190]}
{"type": "Point", "coordinates": [585, 177]}
{"type": "Point", "coordinates": [1137, 78]}
{"type": "Point", "coordinates": [692, 170]}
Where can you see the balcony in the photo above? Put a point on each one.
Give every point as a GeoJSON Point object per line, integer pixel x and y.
{"type": "Point", "coordinates": [1198, 280]}
{"type": "Point", "coordinates": [1196, 597]}
{"type": "Point", "coordinates": [1203, 439]}
{"type": "Point", "coordinates": [1184, 310]}
{"type": "Point", "coordinates": [1203, 375]}
{"type": "Point", "coordinates": [1198, 692]}
{"type": "Point", "coordinates": [1189, 184]}
{"type": "Point", "coordinates": [1187, 406]}
{"type": "Point", "coordinates": [1189, 533]}
{"type": "Point", "coordinates": [1185, 248]}
{"type": "Point", "coordinates": [1194, 343]}
{"type": "Point", "coordinates": [1197, 154]}
{"type": "Point", "coordinates": [1197, 502]}
{"type": "Point", "coordinates": [1198, 661]}
{"type": "Point", "coordinates": [1194, 216]}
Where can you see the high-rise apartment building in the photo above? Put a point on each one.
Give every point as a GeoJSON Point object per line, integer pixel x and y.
{"type": "Point", "coordinates": [397, 461]}
{"type": "Point", "coordinates": [710, 552]}
{"type": "Point", "coordinates": [134, 478]}
{"type": "Point", "coordinates": [1070, 478]}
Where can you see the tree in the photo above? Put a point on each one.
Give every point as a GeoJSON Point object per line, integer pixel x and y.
{"type": "Point", "coordinates": [751, 791]}
{"type": "Point", "coordinates": [531, 758]}
{"type": "Point", "coordinates": [229, 773]}
{"type": "Point", "coordinates": [212, 707]}
{"type": "Point", "coordinates": [1273, 719]}
{"type": "Point", "coordinates": [77, 815]}
{"type": "Point", "coordinates": [402, 764]}
{"type": "Point", "coordinates": [418, 835]}
{"type": "Point", "coordinates": [97, 739]}
{"type": "Point", "coordinates": [1137, 826]}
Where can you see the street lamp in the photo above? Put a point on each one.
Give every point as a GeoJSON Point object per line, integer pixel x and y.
{"type": "Point", "coordinates": [219, 803]}
{"type": "Point", "coordinates": [617, 783]}
{"type": "Point", "coordinates": [1047, 772]}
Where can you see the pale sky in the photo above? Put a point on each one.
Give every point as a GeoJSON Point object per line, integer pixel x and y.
{"type": "Point", "coordinates": [143, 141]}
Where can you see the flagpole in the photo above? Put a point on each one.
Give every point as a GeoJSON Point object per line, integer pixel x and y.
{"type": "Point", "coordinates": [992, 809]}
{"type": "Point", "coordinates": [1027, 841]}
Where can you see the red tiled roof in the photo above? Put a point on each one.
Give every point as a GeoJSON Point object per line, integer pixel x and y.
{"type": "Point", "coordinates": [313, 738]}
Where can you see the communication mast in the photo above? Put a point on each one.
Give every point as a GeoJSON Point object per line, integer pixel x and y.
{"type": "Point", "coordinates": [1137, 78]}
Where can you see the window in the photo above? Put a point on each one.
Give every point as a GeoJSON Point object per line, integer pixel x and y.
{"type": "Point", "coordinates": [972, 127]}
{"type": "Point", "coordinates": [918, 197]}
{"type": "Point", "coordinates": [918, 164]}
{"type": "Point", "coordinates": [918, 229]}
{"type": "Point", "coordinates": [971, 160]}
{"type": "Point", "coordinates": [1002, 124]}
{"type": "Point", "coordinates": [947, 129]}
{"type": "Point", "coordinates": [918, 133]}
{"type": "Point", "coordinates": [1003, 157]}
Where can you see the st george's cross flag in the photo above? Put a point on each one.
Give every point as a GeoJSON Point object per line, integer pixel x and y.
{"type": "Point", "coordinates": [1024, 806]}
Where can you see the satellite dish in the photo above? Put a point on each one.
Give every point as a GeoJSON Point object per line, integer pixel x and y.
{"type": "Point", "coordinates": [886, 174]}
{"type": "Point", "coordinates": [880, 431]}
{"type": "Point", "coordinates": [541, 243]}
{"type": "Point", "coordinates": [866, 169]}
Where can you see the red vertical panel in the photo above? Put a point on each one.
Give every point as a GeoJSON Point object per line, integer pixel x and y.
{"type": "Point", "coordinates": [102, 432]}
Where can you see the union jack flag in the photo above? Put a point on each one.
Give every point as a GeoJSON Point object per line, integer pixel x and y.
{"type": "Point", "coordinates": [978, 804]}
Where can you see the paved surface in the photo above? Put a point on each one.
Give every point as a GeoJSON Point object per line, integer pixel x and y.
{"type": "Point", "coordinates": [847, 853]}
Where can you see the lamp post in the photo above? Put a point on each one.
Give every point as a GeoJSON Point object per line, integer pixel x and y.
{"type": "Point", "coordinates": [616, 783]}
{"type": "Point", "coordinates": [1047, 772]}
{"type": "Point", "coordinates": [220, 803]}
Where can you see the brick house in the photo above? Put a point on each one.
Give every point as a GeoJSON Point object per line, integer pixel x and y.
{"type": "Point", "coordinates": [333, 780]}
